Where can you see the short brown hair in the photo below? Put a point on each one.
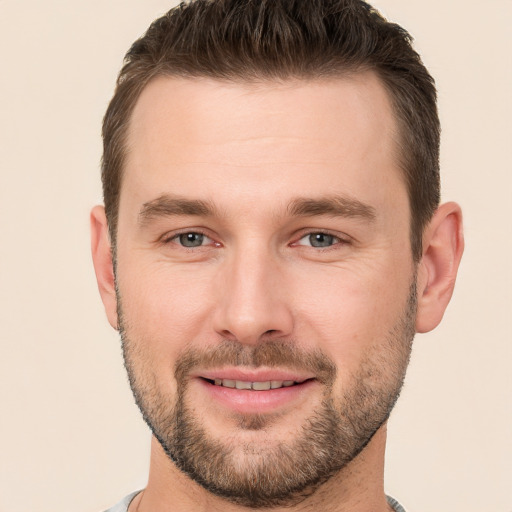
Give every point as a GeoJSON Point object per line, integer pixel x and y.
{"type": "Point", "coordinates": [246, 40]}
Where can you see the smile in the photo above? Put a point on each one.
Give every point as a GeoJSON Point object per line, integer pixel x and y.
{"type": "Point", "coordinates": [256, 391]}
{"type": "Point", "coordinates": [254, 386]}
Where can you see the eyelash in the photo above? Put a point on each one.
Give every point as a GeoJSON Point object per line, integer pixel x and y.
{"type": "Point", "coordinates": [169, 238]}
{"type": "Point", "coordinates": [338, 240]}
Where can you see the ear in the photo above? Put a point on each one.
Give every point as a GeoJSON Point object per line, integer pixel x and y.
{"type": "Point", "coordinates": [443, 244]}
{"type": "Point", "coordinates": [103, 265]}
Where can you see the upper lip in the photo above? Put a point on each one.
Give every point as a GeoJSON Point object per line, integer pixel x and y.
{"type": "Point", "coordinates": [255, 375]}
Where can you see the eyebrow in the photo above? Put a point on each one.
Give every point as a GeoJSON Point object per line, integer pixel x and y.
{"type": "Point", "coordinates": [336, 206]}
{"type": "Point", "coordinates": [167, 206]}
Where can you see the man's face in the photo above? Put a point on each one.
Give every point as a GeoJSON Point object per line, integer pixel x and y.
{"type": "Point", "coordinates": [263, 243]}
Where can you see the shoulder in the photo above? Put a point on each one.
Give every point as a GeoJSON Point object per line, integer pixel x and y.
{"type": "Point", "coordinates": [396, 506]}
{"type": "Point", "coordinates": [123, 505]}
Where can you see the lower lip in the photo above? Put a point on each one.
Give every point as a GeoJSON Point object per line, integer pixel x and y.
{"type": "Point", "coordinates": [257, 402]}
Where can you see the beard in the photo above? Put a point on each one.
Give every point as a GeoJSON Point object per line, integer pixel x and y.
{"type": "Point", "coordinates": [257, 472]}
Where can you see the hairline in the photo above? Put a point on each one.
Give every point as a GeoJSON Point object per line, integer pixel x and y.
{"type": "Point", "coordinates": [260, 80]}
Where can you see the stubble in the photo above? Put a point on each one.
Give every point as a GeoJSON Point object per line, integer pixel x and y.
{"type": "Point", "coordinates": [257, 474]}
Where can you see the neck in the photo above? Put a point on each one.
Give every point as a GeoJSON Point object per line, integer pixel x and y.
{"type": "Point", "coordinates": [359, 487]}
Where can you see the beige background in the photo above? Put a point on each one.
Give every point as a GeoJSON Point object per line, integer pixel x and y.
{"type": "Point", "coordinates": [70, 436]}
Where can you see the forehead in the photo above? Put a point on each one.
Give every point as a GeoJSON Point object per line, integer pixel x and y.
{"type": "Point", "coordinates": [201, 136]}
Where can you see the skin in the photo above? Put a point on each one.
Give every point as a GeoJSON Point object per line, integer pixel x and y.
{"type": "Point", "coordinates": [249, 151]}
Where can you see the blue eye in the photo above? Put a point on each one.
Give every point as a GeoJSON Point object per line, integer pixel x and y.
{"type": "Point", "coordinates": [319, 240]}
{"type": "Point", "coordinates": [191, 239]}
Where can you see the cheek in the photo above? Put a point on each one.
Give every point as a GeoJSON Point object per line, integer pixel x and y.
{"type": "Point", "coordinates": [165, 309]}
{"type": "Point", "coordinates": [347, 313]}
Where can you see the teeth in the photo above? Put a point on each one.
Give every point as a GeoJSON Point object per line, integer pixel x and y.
{"type": "Point", "coordinates": [256, 386]}
{"type": "Point", "coordinates": [261, 386]}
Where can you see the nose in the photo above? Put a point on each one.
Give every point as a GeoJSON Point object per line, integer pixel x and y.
{"type": "Point", "coordinates": [252, 304]}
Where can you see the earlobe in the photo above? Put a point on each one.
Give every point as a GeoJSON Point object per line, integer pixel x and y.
{"type": "Point", "coordinates": [443, 244]}
{"type": "Point", "coordinates": [103, 264]}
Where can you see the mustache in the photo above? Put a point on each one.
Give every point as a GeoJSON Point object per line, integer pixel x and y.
{"type": "Point", "coordinates": [269, 354]}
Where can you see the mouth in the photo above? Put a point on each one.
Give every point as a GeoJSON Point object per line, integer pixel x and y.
{"type": "Point", "coordinates": [254, 385]}
{"type": "Point", "coordinates": [257, 392]}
